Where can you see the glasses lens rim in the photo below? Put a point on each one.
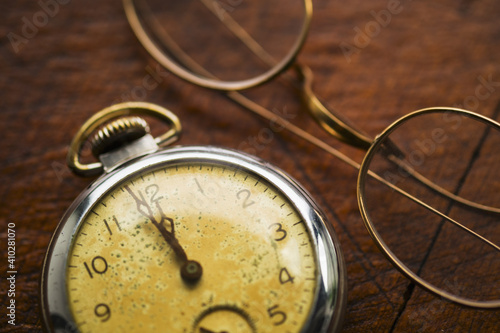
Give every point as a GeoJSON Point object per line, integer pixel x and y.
{"type": "Point", "coordinates": [384, 248]}
{"type": "Point", "coordinates": [152, 48]}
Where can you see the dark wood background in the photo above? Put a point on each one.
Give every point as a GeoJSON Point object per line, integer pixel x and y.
{"type": "Point", "coordinates": [85, 58]}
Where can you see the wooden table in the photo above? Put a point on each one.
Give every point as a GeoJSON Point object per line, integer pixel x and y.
{"type": "Point", "coordinates": [83, 57]}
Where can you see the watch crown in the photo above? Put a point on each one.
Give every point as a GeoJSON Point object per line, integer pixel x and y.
{"type": "Point", "coordinates": [118, 133]}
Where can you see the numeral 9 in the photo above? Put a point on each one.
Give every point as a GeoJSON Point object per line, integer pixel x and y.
{"type": "Point", "coordinates": [102, 311]}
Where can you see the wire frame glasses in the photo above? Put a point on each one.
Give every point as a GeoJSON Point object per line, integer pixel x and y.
{"type": "Point", "coordinates": [428, 185]}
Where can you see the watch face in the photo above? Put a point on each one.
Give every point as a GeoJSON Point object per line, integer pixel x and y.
{"type": "Point", "coordinates": [192, 246]}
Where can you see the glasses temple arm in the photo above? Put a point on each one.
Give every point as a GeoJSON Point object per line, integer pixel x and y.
{"type": "Point", "coordinates": [397, 160]}
{"type": "Point", "coordinates": [330, 120]}
{"type": "Point", "coordinates": [424, 205]}
{"type": "Point", "coordinates": [239, 32]}
{"type": "Point", "coordinates": [184, 59]}
{"type": "Point", "coordinates": [241, 100]}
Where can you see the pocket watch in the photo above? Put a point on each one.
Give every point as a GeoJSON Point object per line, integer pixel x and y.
{"type": "Point", "coordinates": [189, 239]}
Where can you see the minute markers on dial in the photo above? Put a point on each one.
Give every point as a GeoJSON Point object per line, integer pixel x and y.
{"type": "Point", "coordinates": [147, 263]}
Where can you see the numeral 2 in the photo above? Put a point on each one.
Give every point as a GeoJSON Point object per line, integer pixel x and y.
{"type": "Point", "coordinates": [245, 195]}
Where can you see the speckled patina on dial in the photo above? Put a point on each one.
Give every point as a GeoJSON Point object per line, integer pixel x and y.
{"type": "Point", "coordinates": [258, 260]}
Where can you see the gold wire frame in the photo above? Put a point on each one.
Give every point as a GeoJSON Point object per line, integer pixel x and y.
{"type": "Point", "coordinates": [207, 81]}
{"type": "Point", "coordinates": [331, 122]}
{"type": "Point", "coordinates": [364, 172]}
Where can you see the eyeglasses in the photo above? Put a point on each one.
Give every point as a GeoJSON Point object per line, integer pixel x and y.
{"type": "Point", "coordinates": [425, 184]}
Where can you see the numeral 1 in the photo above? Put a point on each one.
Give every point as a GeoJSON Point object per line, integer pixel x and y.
{"type": "Point", "coordinates": [117, 225]}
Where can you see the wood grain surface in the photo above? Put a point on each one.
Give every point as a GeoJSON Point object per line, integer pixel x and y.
{"type": "Point", "coordinates": [82, 57]}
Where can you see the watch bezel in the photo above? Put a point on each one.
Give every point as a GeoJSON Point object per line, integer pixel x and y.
{"type": "Point", "coordinates": [330, 297]}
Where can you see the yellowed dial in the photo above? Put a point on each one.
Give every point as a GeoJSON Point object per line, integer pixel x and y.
{"type": "Point", "coordinates": [193, 246]}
